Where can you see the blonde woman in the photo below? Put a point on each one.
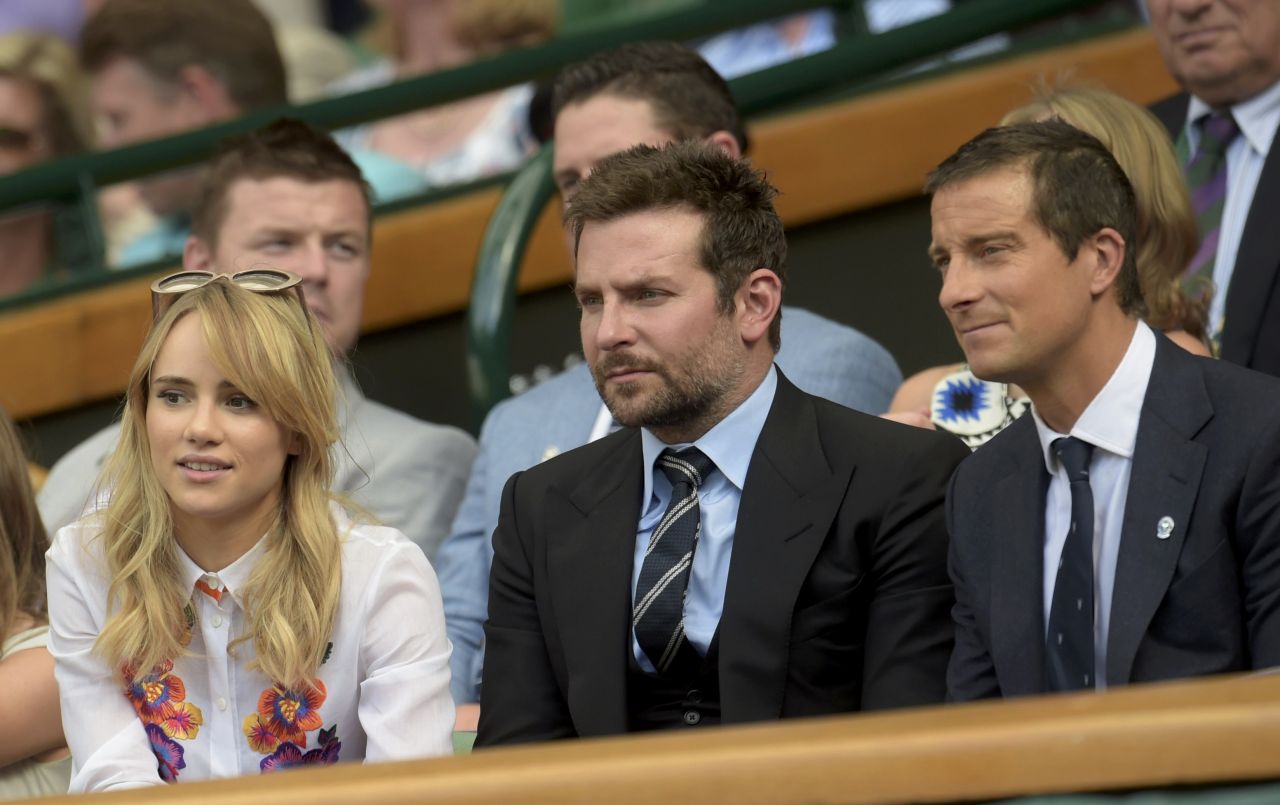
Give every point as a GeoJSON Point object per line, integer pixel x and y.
{"type": "Point", "coordinates": [950, 397]}
{"type": "Point", "coordinates": [221, 615]}
{"type": "Point", "coordinates": [33, 754]}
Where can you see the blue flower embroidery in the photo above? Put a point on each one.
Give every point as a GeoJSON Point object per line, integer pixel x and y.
{"type": "Point", "coordinates": [962, 399]}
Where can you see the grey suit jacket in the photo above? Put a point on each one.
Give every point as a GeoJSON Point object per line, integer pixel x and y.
{"type": "Point", "coordinates": [408, 473]}
{"type": "Point", "coordinates": [822, 357]}
{"type": "Point", "coordinates": [1204, 600]}
{"type": "Point", "coordinates": [837, 593]}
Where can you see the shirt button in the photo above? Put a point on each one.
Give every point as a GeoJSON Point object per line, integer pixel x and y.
{"type": "Point", "coordinates": [222, 703]}
{"type": "Point", "coordinates": [217, 620]}
{"type": "Point", "coordinates": [694, 696]}
{"type": "Point", "coordinates": [692, 717]}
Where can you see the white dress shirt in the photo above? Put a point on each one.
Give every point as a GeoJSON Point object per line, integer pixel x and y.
{"type": "Point", "coordinates": [385, 678]}
{"type": "Point", "coordinates": [1258, 118]}
{"type": "Point", "coordinates": [1110, 424]}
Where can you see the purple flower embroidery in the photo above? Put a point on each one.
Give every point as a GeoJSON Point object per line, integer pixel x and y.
{"type": "Point", "coordinates": [289, 755]}
{"type": "Point", "coordinates": [167, 752]}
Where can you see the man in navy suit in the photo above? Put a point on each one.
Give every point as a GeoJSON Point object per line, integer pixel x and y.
{"type": "Point", "coordinates": [1225, 54]}
{"type": "Point", "coordinates": [1128, 530]}
{"type": "Point", "coordinates": [739, 550]}
{"type": "Point", "coordinates": [653, 93]}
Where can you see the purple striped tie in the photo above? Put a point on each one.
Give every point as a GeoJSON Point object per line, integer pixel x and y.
{"type": "Point", "coordinates": [1207, 177]}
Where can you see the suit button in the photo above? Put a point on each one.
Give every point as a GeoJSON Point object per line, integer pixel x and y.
{"type": "Point", "coordinates": [692, 717]}
{"type": "Point", "coordinates": [694, 697]}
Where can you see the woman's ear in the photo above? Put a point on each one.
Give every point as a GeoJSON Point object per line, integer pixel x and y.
{"type": "Point", "coordinates": [295, 444]}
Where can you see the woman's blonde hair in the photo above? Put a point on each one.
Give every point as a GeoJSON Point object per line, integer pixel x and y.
{"type": "Point", "coordinates": [23, 539]}
{"type": "Point", "coordinates": [270, 348]}
{"type": "Point", "coordinates": [1167, 234]}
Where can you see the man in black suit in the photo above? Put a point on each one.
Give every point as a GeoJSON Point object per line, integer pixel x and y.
{"type": "Point", "coordinates": [1226, 56]}
{"type": "Point", "coordinates": [1128, 530]}
{"type": "Point", "coordinates": [740, 550]}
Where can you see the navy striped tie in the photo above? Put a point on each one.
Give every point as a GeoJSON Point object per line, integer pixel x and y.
{"type": "Point", "coordinates": [1069, 644]}
{"type": "Point", "coordinates": [658, 612]}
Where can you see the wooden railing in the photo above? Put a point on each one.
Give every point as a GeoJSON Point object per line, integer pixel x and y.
{"type": "Point", "coordinates": [829, 161]}
{"type": "Point", "coordinates": [1214, 732]}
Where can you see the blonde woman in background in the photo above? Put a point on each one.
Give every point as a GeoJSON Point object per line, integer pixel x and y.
{"type": "Point", "coordinates": [33, 756]}
{"type": "Point", "coordinates": [950, 397]}
{"type": "Point", "coordinates": [42, 117]}
{"type": "Point", "coordinates": [222, 615]}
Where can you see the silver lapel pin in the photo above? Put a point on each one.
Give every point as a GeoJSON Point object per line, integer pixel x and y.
{"type": "Point", "coordinates": [1164, 528]}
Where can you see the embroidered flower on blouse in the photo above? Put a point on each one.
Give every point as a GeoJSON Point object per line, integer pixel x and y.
{"type": "Point", "coordinates": [962, 399]}
{"type": "Point", "coordinates": [159, 698]}
{"type": "Point", "coordinates": [290, 714]}
{"type": "Point", "coordinates": [168, 753]}
{"type": "Point", "coordinates": [261, 739]}
{"type": "Point", "coordinates": [289, 755]}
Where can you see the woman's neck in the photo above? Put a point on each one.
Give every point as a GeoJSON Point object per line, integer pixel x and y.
{"type": "Point", "coordinates": [216, 543]}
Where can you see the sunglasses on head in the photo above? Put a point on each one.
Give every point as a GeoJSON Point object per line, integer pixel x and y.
{"type": "Point", "coordinates": [166, 290]}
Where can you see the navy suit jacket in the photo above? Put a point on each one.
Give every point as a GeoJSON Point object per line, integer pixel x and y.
{"type": "Point", "coordinates": [1251, 327]}
{"type": "Point", "coordinates": [837, 595]}
{"type": "Point", "coordinates": [1205, 600]}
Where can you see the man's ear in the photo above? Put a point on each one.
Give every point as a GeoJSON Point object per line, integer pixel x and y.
{"type": "Point", "coordinates": [758, 302]}
{"type": "Point", "coordinates": [1105, 251]}
{"type": "Point", "coordinates": [210, 96]}
{"type": "Point", "coordinates": [726, 142]}
{"type": "Point", "coordinates": [196, 255]}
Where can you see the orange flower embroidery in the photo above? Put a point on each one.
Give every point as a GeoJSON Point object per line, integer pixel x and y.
{"type": "Point", "coordinates": [290, 714]}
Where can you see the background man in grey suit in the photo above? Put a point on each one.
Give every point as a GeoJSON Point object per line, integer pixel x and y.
{"type": "Point", "coordinates": [652, 93]}
{"type": "Point", "coordinates": [1128, 530]}
{"type": "Point", "coordinates": [1226, 56]}
{"type": "Point", "coordinates": [288, 196]}
{"type": "Point", "coordinates": [786, 554]}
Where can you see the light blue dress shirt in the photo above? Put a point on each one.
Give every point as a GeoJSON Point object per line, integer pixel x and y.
{"type": "Point", "coordinates": [730, 445]}
{"type": "Point", "coordinates": [1258, 118]}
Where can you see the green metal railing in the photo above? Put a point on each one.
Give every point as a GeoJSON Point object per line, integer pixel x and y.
{"type": "Point", "coordinates": [859, 59]}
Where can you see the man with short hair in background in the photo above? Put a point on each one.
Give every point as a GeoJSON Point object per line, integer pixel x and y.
{"type": "Point", "coordinates": [739, 550]}
{"type": "Point", "coordinates": [288, 196]}
{"type": "Point", "coordinates": [1128, 530]}
{"type": "Point", "coordinates": [1226, 56]}
{"type": "Point", "coordinates": [163, 67]}
{"type": "Point", "coordinates": [641, 93]}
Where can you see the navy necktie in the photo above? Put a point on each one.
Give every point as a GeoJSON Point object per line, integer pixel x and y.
{"type": "Point", "coordinates": [1069, 640]}
{"type": "Point", "coordinates": [658, 612]}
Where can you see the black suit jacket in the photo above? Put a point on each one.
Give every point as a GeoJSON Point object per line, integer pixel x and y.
{"type": "Point", "coordinates": [1205, 600]}
{"type": "Point", "coordinates": [837, 596]}
{"type": "Point", "coordinates": [1251, 327]}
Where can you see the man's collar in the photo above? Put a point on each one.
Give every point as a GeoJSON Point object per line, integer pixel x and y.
{"type": "Point", "coordinates": [1257, 117]}
{"type": "Point", "coordinates": [1110, 421]}
{"type": "Point", "coordinates": [730, 443]}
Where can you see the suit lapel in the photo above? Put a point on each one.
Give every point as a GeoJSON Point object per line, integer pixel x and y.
{"type": "Point", "coordinates": [1017, 569]}
{"type": "Point", "coordinates": [791, 496]}
{"type": "Point", "coordinates": [1164, 478]}
{"type": "Point", "coordinates": [1254, 274]}
{"type": "Point", "coordinates": [589, 568]}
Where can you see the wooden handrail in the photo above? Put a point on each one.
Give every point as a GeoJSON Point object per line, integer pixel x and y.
{"type": "Point", "coordinates": [829, 161]}
{"type": "Point", "coordinates": [1217, 731]}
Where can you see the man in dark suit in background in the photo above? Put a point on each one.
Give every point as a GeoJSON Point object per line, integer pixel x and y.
{"type": "Point", "coordinates": [740, 550]}
{"type": "Point", "coordinates": [1226, 56]}
{"type": "Point", "coordinates": [1129, 529]}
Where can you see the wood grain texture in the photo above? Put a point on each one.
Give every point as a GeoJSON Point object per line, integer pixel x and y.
{"type": "Point", "coordinates": [828, 161]}
{"type": "Point", "coordinates": [1201, 732]}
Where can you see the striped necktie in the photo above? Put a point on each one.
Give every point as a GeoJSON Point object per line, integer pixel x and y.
{"type": "Point", "coordinates": [1207, 178]}
{"type": "Point", "coordinates": [658, 613]}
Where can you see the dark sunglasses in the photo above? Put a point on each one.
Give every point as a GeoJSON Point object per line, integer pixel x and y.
{"type": "Point", "coordinates": [166, 290]}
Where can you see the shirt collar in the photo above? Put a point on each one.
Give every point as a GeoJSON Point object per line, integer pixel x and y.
{"type": "Point", "coordinates": [1257, 118]}
{"type": "Point", "coordinates": [234, 576]}
{"type": "Point", "coordinates": [1110, 422]}
{"type": "Point", "coordinates": [730, 444]}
